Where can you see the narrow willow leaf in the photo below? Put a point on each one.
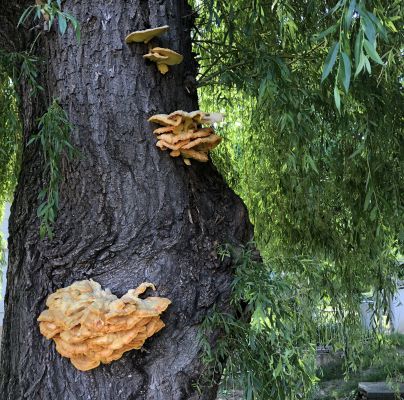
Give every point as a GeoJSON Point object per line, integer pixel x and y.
{"type": "Point", "coordinates": [337, 98]}
{"type": "Point", "coordinates": [337, 6]}
{"type": "Point", "coordinates": [391, 26]}
{"type": "Point", "coordinates": [25, 15]}
{"type": "Point", "coordinates": [330, 61]}
{"type": "Point", "coordinates": [348, 15]}
{"type": "Point", "coordinates": [62, 24]}
{"type": "Point", "coordinates": [361, 64]}
{"type": "Point", "coordinates": [38, 13]}
{"type": "Point", "coordinates": [380, 28]}
{"type": "Point", "coordinates": [325, 33]}
{"type": "Point", "coordinates": [347, 71]}
{"type": "Point", "coordinates": [373, 213]}
{"type": "Point", "coordinates": [312, 163]}
{"type": "Point", "coordinates": [75, 24]}
{"type": "Point", "coordinates": [359, 150]}
{"type": "Point", "coordinates": [51, 19]}
{"type": "Point", "coordinates": [368, 199]}
{"type": "Point", "coordinates": [369, 28]}
{"type": "Point", "coordinates": [368, 66]}
{"type": "Point", "coordinates": [358, 48]}
{"type": "Point", "coordinates": [371, 51]}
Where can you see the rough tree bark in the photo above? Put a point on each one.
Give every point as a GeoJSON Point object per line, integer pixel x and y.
{"type": "Point", "coordinates": [129, 213]}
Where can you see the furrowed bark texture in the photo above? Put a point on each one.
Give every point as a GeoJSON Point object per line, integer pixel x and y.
{"type": "Point", "coordinates": [129, 213]}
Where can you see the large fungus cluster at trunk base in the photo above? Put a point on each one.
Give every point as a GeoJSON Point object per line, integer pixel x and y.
{"type": "Point", "coordinates": [182, 133]}
{"type": "Point", "coordinates": [92, 326]}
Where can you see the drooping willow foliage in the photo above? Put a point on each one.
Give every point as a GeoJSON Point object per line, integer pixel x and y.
{"type": "Point", "coordinates": [318, 181]}
{"type": "Point", "coordinates": [314, 140]}
{"type": "Point", "coordinates": [53, 127]}
{"type": "Point", "coordinates": [10, 140]}
{"type": "Point", "coordinates": [10, 134]}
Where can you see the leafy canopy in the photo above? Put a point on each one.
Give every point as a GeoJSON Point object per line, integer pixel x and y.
{"type": "Point", "coordinates": [313, 92]}
{"type": "Point", "coordinates": [313, 96]}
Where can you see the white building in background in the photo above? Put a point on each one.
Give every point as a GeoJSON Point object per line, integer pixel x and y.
{"type": "Point", "coordinates": [397, 308]}
{"type": "Point", "coordinates": [3, 271]}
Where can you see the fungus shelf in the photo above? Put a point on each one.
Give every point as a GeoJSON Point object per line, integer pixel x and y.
{"type": "Point", "coordinates": [92, 326]}
{"type": "Point", "coordinates": [181, 132]}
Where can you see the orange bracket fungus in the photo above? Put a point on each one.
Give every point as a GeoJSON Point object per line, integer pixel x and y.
{"type": "Point", "coordinates": [146, 35]}
{"type": "Point", "coordinates": [92, 326]}
{"type": "Point", "coordinates": [182, 133]}
{"type": "Point", "coordinates": [163, 58]}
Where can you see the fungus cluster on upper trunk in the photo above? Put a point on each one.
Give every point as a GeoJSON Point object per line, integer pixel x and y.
{"type": "Point", "coordinates": [183, 135]}
{"type": "Point", "coordinates": [182, 132]}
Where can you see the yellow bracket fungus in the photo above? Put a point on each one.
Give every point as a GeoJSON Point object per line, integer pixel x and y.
{"type": "Point", "coordinates": [92, 326]}
{"type": "Point", "coordinates": [163, 58]}
{"type": "Point", "coordinates": [146, 35]}
{"type": "Point", "coordinates": [182, 134]}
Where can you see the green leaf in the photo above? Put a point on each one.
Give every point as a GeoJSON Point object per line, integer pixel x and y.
{"type": "Point", "coordinates": [62, 24]}
{"type": "Point", "coordinates": [361, 64]}
{"type": "Point", "coordinates": [380, 28]}
{"type": "Point", "coordinates": [337, 98]}
{"type": "Point", "coordinates": [325, 33]}
{"type": "Point", "coordinates": [401, 235]}
{"type": "Point", "coordinates": [368, 66]}
{"type": "Point", "coordinates": [312, 163]}
{"type": "Point", "coordinates": [368, 27]}
{"type": "Point", "coordinates": [371, 51]}
{"type": "Point", "coordinates": [278, 369]}
{"type": "Point", "coordinates": [51, 19]}
{"type": "Point", "coordinates": [339, 4]}
{"type": "Point", "coordinates": [42, 231]}
{"type": "Point", "coordinates": [25, 15]}
{"type": "Point", "coordinates": [347, 71]}
{"type": "Point", "coordinates": [359, 150]}
{"type": "Point", "coordinates": [358, 48]}
{"type": "Point", "coordinates": [373, 213]}
{"type": "Point", "coordinates": [391, 26]}
{"type": "Point", "coordinates": [32, 140]}
{"type": "Point", "coordinates": [75, 24]}
{"type": "Point", "coordinates": [368, 199]}
{"type": "Point", "coordinates": [38, 13]}
{"type": "Point", "coordinates": [348, 15]}
{"type": "Point", "coordinates": [330, 60]}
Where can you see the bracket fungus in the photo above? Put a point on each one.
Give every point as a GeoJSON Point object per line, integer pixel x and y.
{"type": "Point", "coordinates": [182, 133]}
{"type": "Point", "coordinates": [146, 35]}
{"type": "Point", "coordinates": [92, 326]}
{"type": "Point", "coordinates": [163, 58]}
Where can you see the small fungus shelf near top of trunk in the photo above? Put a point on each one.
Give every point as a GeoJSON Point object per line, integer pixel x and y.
{"type": "Point", "coordinates": [146, 35]}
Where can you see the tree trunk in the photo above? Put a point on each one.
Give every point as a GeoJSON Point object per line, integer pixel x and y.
{"type": "Point", "coordinates": [129, 213]}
